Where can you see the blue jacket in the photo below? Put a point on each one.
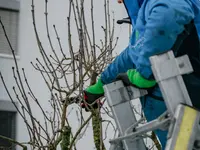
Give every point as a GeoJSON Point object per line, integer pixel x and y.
{"type": "Point", "coordinates": [159, 22]}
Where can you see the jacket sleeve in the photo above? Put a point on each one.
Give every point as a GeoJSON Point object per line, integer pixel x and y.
{"type": "Point", "coordinates": [121, 64]}
{"type": "Point", "coordinates": [164, 23]}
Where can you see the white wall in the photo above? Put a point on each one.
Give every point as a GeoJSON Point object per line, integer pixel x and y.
{"type": "Point", "coordinates": [28, 51]}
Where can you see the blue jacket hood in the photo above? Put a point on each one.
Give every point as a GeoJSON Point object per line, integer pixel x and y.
{"type": "Point", "coordinates": [132, 7]}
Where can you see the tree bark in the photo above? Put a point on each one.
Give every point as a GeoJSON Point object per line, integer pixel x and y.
{"type": "Point", "coordinates": [65, 143]}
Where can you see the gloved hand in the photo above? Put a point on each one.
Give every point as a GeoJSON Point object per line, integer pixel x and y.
{"type": "Point", "coordinates": [132, 77]}
{"type": "Point", "coordinates": [91, 96]}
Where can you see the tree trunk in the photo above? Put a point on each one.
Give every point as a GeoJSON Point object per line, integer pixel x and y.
{"type": "Point", "coordinates": [65, 143]}
{"type": "Point", "coordinates": [96, 124]}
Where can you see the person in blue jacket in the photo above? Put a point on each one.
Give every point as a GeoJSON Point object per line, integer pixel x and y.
{"type": "Point", "coordinates": [162, 25]}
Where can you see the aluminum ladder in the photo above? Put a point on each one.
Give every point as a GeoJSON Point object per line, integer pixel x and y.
{"type": "Point", "coordinates": [181, 119]}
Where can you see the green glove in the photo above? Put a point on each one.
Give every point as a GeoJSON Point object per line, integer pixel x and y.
{"type": "Point", "coordinates": [91, 96]}
{"type": "Point", "coordinates": [136, 79]}
{"type": "Point", "coordinates": [96, 88]}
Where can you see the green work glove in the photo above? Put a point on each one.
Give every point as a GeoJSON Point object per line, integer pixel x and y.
{"type": "Point", "coordinates": [91, 95]}
{"type": "Point", "coordinates": [96, 88]}
{"type": "Point", "coordinates": [132, 77]}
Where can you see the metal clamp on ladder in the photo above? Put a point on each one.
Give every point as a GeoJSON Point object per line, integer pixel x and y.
{"type": "Point", "coordinates": [181, 119]}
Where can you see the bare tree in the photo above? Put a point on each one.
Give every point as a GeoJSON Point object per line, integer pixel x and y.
{"type": "Point", "coordinates": [65, 76]}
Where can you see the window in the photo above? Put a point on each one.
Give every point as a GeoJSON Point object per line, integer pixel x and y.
{"type": "Point", "coordinates": [9, 13]}
{"type": "Point", "coordinates": [7, 123]}
{"type": "Point", "coordinates": [7, 129]}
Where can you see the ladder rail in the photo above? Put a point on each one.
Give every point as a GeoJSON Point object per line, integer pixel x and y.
{"type": "Point", "coordinates": [118, 99]}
